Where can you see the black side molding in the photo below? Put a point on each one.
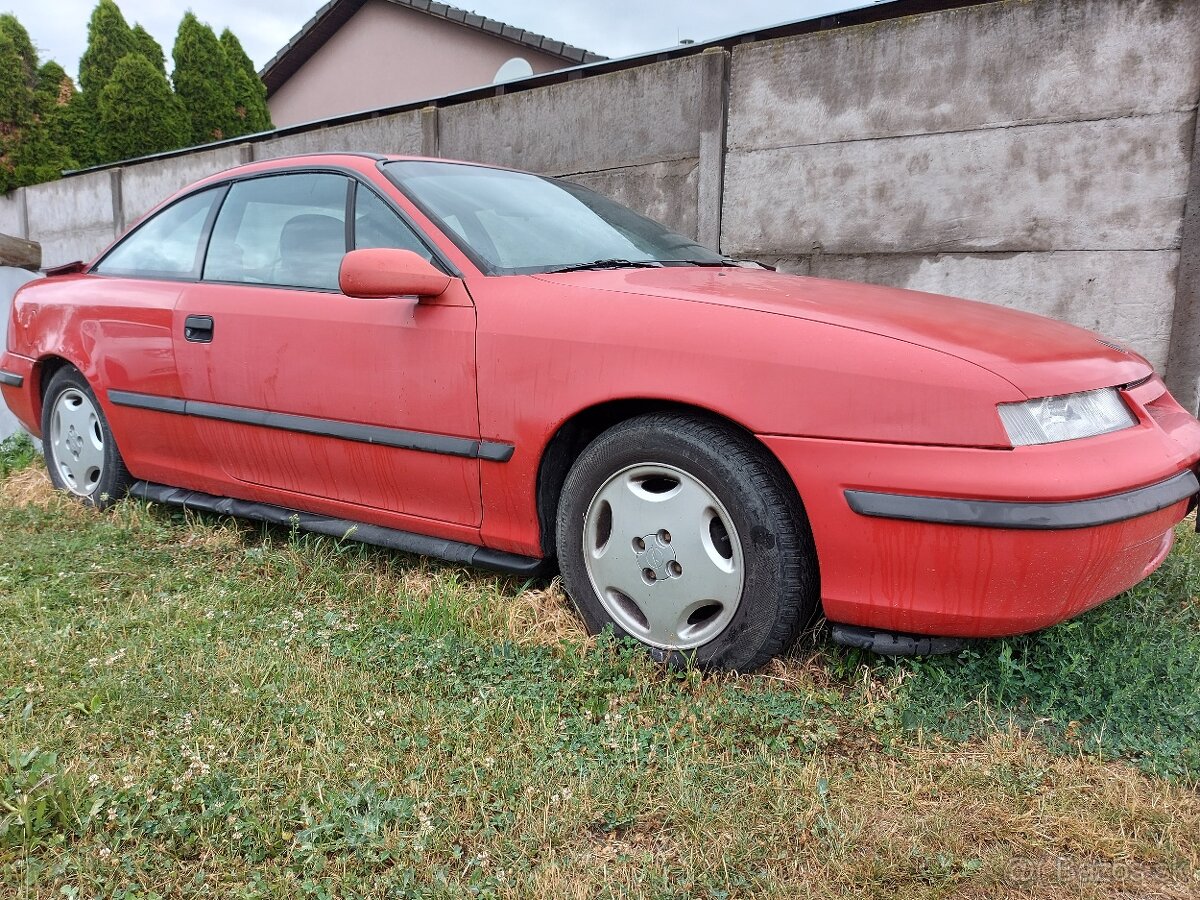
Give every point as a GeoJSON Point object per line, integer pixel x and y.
{"type": "Point", "coordinates": [399, 438]}
{"type": "Point", "coordinates": [376, 535]}
{"type": "Point", "coordinates": [1030, 516]}
{"type": "Point", "coordinates": [12, 379]}
{"type": "Point", "coordinates": [148, 401]}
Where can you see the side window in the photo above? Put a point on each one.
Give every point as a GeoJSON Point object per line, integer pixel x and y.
{"type": "Point", "coordinates": [165, 246]}
{"type": "Point", "coordinates": [375, 225]}
{"type": "Point", "coordinates": [286, 230]}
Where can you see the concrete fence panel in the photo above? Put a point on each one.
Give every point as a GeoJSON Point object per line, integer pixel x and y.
{"type": "Point", "coordinates": [145, 185]}
{"type": "Point", "coordinates": [12, 213]}
{"type": "Point", "coordinates": [398, 133]}
{"type": "Point", "coordinates": [988, 66]}
{"type": "Point", "coordinates": [74, 218]}
{"type": "Point", "coordinates": [1111, 184]}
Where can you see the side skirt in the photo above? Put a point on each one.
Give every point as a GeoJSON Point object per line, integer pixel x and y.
{"type": "Point", "coordinates": [376, 535]}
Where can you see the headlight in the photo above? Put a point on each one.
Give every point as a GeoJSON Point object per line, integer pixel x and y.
{"type": "Point", "coordinates": [1049, 420]}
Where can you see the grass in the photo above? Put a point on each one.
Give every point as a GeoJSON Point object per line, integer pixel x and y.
{"type": "Point", "coordinates": [1123, 681]}
{"type": "Point", "coordinates": [193, 707]}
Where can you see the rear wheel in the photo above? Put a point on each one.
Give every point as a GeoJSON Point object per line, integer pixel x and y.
{"type": "Point", "coordinates": [681, 533]}
{"type": "Point", "coordinates": [81, 455]}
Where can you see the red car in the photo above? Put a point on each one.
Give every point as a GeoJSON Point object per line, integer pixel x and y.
{"type": "Point", "coordinates": [497, 368]}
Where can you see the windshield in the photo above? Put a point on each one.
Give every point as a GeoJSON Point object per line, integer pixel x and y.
{"type": "Point", "coordinates": [512, 223]}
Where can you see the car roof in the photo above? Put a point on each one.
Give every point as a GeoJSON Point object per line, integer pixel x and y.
{"type": "Point", "coordinates": [337, 158]}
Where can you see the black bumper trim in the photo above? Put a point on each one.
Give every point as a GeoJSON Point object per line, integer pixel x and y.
{"type": "Point", "coordinates": [1029, 516]}
{"type": "Point", "coordinates": [401, 439]}
{"type": "Point", "coordinates": [343, 529]}
{"type": "Point", "coordinates": [12, 379]}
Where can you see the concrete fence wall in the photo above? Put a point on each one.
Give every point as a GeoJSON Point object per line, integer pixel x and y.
{"type": "Point", "coordinates": [1039, 154]}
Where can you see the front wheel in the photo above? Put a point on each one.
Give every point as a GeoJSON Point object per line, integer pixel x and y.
{"type": "Point", "coordinates": [81, 455]}
{"type": "Point", "coordinates": [683, 534]}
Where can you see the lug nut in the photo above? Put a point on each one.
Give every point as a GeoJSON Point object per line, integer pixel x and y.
{"type": "Point", "coordinates": [674, 569]}
{"type": "Point", "coordinates": [664, 536]}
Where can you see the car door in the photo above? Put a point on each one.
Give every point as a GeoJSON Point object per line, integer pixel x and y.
{"type": "Point", "coordinates": [129, 309]}
{"type": "Point", "coordinates": [304, 391]}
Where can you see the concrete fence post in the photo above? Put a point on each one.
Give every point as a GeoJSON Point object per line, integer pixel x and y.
{"type": "Point", "coordinates": [714, 113]}
{"type": "Point", "coordinates": [118, 203]}
{"type": "Point", "coordinates": [1183, 355]}
{"type": "Point", "coordinates": [23, 199]}
{"type": "Point", "coordinates": [429, 131]}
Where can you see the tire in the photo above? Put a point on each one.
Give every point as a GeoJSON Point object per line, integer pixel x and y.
{"type": "Point", "coordinates": [81, 453]}
{"type": "Point", "coordinates": [693, 506]}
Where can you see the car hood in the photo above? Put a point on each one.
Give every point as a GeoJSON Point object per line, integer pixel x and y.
{"type": "Point", "coordinates": [1039, 356]}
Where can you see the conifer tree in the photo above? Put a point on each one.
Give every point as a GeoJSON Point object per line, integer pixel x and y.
{"type": "Point", "coordinates": [24, 47]}
{"type": "Point", "coordinates": [16, 90]}
{"type": "Point", "coordinates": [109, 40]}
{"type": "Point", "coordinates": [149, 48]}
{"type": "Point", "coordinates": [29, 152]}
{"type": "Point", "coordinates": [250, 112]}
{"type": "Point", "coordinates": [81, 130]}
{"type": "Point", "coordinates": [202, 81]}
{"type": "Point", "coordinates": [16, 103]}
{"type": "Point", "coordinates": [54, 86]}
{"type": "Point", "coordinates": [45, 149]}
{"type": "Point", "coordinates": [138, 113]}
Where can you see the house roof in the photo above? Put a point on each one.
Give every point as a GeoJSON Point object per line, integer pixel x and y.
{"type": "Point", "coordinates": [334, 14]}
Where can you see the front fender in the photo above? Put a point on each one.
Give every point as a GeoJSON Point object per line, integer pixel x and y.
{"type": "Point", "coordinates": [548, 351]}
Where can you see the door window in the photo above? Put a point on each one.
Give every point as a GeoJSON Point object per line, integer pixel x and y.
{"type": "Point", "coordinates": [376, 225]}
{"type": "Point", "coordinates": [167, 245]}
{"type": "Point", "coordinates": [286, 230]}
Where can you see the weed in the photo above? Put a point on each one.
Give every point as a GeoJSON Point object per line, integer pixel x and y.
{"type": "Point", "coordinates": [16, 452]}
{"type": "Point", "coordinates": [37, 802]}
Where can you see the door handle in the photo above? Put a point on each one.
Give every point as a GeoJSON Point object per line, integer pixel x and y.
{"type": "Point", "coordinates": [198, 329]}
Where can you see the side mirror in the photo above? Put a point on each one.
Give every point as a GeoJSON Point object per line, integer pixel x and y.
{"type": "Point", "coordinates": [388, 272]}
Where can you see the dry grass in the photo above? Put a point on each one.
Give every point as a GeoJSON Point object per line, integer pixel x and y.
{"type": "Point", "coordinates": [29, 487]}
{"type": "Point", "coordinates": [543, 616]}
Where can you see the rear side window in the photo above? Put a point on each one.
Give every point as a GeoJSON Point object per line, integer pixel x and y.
{"type": "Point", "coordinates": [376, 225]}
{"type": "Point", "coordinates": [285, 230]}
{"type": "Point", "coordinates": [167, 245]}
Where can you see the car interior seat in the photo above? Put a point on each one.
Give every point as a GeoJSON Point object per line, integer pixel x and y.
{"type": "Point", "coordinates": [311, 247]}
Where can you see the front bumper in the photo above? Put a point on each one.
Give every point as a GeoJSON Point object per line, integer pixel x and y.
{"type": "Point", "coordinates": [983, 543]}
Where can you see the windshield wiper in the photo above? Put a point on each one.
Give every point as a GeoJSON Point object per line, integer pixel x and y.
{"type": "Point", "coordinates": [724, 262]}
{"type": "Point", "coordinates": [608, 264]}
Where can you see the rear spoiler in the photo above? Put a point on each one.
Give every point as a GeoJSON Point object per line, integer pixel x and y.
{"type": "Point", "coordinates": [71, 268]}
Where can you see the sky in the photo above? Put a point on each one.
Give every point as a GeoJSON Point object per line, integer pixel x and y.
{"type": "Point", "coordinates": [613, 28]}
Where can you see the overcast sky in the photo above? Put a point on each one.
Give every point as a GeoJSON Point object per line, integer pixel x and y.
{"type": "Point", "coordinates": [613, 28]}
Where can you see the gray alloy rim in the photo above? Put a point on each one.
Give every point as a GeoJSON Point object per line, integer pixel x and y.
{"type": "Point", "coordinates": [77, 442]}
{"type": "Point", "coordinates": [663, 556]}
